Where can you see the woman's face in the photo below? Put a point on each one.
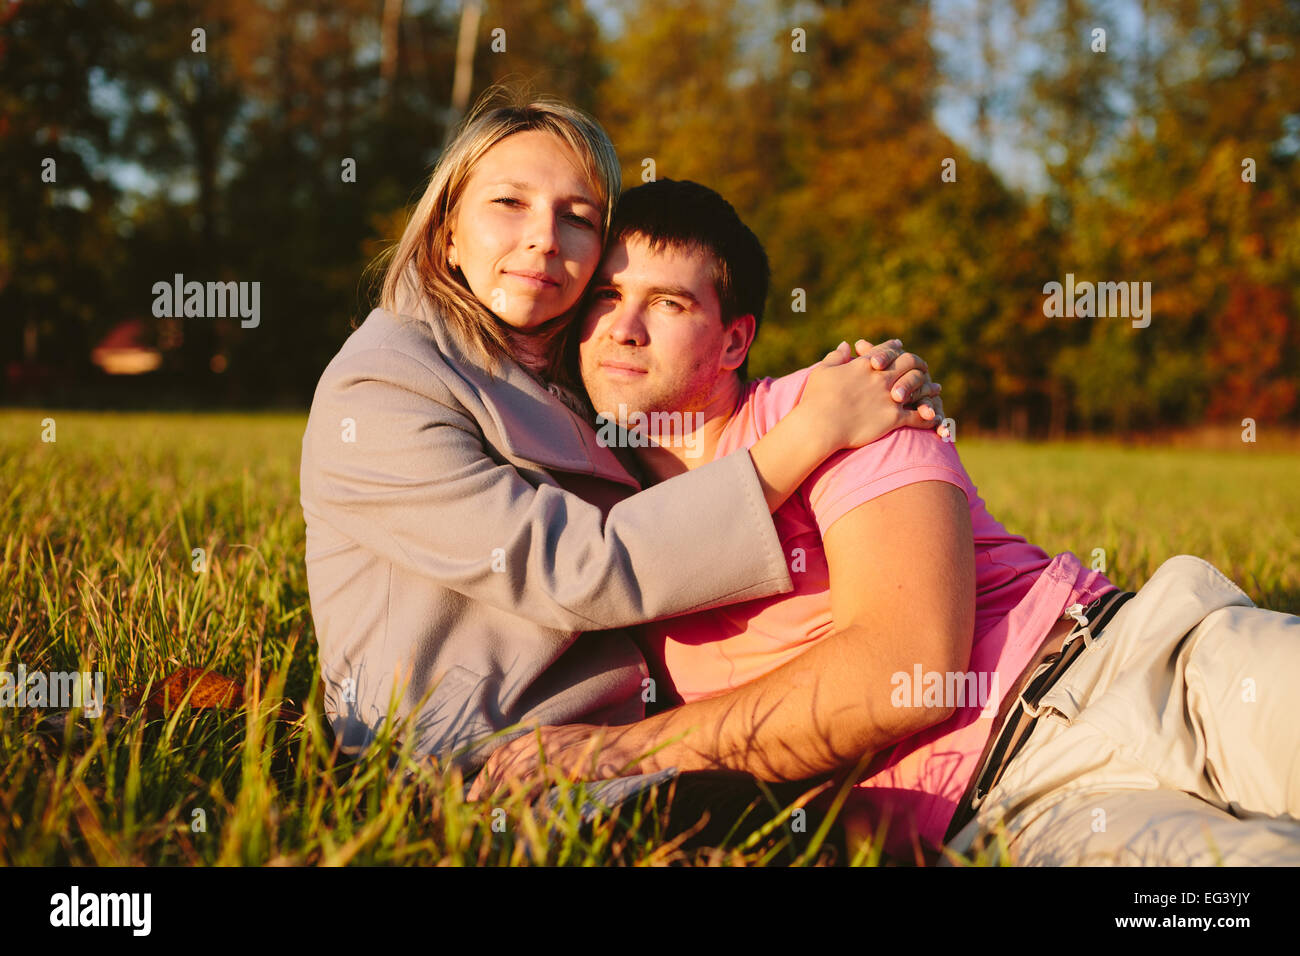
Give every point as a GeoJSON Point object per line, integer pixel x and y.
{"type": "Point", "coordinates": [526, 232]}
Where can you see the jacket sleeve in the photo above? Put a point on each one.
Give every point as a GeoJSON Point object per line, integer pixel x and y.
{"type": "Point", "coordinates": [417, 487]}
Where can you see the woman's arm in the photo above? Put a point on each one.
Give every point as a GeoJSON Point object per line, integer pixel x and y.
{"type": "Point", "coordinates": [418, 487]}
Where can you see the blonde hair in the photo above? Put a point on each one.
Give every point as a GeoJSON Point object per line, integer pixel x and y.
{"type": "Point", "coordinates": [423, 247]}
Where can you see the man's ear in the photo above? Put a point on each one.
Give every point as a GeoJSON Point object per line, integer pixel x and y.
{"type": "Point", "coordinates": [737, 338]}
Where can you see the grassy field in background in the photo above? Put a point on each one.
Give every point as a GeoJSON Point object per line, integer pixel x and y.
{"type": "Point", "coordinates": [96, 574]}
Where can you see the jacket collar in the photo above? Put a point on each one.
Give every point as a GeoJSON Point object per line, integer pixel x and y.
{"type": "Point", "coordinates": [533, 424]}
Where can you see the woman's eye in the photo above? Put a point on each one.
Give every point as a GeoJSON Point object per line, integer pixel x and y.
{"type": "Point", "coordinates": [606, 293]}
{"type": "Point", "coordinates": [582, 221]}
{"type": "Point", "coordinates": [508, 201]}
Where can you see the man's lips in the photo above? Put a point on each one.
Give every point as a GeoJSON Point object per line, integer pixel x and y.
{"type": "Point", "coordinates": [623, 367]}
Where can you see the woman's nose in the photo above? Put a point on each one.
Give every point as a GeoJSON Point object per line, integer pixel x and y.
{"type": "Point", "coordinates": [543, 234]}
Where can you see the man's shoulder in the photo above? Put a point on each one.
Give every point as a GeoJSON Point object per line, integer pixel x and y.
{"type": "Point", "coordinates": [765, 401]}
{"type": "Point", "coordinates": [900, 457]}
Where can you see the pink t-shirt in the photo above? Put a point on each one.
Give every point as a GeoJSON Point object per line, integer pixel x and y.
{"type": "Point", "coordinates": [1020, 592]}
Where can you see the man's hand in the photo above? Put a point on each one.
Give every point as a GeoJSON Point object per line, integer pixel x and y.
{"type": "Point", "coordinates": [575, 751]}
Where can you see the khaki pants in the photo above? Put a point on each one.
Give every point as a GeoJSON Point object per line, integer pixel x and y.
{"type": "Point", "coordinates": [1174, 739]}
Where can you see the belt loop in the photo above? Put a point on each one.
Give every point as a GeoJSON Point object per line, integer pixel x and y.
{"type": "Point", "coordinates": [1076, 611]}
{"type": "Point", "coordinates": [1031, 710]}
{"type": "Point", "coordinates": [1082, 625]}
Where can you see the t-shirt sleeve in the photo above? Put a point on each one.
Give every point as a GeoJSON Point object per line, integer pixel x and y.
{"type": "Point", "coordinates": [856, 475]}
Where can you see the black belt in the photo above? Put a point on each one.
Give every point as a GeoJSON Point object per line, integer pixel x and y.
{"type": "Point", "coordinates": [1024, 711]}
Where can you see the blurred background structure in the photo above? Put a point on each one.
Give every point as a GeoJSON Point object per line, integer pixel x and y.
{"type": "Point", "coordinates": [1164, 150]}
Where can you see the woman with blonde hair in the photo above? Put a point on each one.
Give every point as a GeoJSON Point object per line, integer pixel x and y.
{"type": "Point", "coordinates": [470, 543]}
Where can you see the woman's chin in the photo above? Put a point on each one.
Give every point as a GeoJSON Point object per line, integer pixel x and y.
{"type": "Point", "coordinates": [529, 322]}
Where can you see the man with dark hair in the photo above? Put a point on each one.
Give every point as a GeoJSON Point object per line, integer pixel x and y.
{"type": "Point", "coordinates": [931, 692]}
{"type": "Point", "coordinates": [694, 218]}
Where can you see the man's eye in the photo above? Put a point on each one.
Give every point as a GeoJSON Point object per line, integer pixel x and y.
{"type": "Point", "coordinates": [606, 293]}
{"type": "Point", "coordinates": [673, 304]}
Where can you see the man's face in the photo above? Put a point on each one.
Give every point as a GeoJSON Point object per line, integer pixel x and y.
{"type": "Point", "coordinates": [652, 336]}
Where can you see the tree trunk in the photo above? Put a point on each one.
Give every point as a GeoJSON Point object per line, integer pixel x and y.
{"type": "Point", "coordinates": [471, 11]}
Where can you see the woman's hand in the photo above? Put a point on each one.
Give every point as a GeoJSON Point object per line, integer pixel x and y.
{"type": "Point", "coordinates": [858, 400]}
{"type": "Point", "coordinates": [847, 402]}
{"type": "Point", "coordinates": [912, 385]}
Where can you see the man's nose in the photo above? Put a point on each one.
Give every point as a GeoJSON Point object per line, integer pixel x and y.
{"type": "Point", "coordinates": [626, 324]}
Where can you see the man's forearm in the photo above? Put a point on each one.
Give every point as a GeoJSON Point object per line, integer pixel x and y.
{"type": "Point", "coordinates": [815, 714]}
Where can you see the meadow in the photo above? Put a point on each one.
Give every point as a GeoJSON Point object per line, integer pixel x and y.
{"type": "Point", "coordinates": [100, 530]}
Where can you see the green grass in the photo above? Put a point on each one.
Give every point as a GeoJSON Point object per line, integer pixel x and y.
{"type": "Point", "coordinates": [96, 574]}
{"type": "Point", "coordinates": [1236, 508]}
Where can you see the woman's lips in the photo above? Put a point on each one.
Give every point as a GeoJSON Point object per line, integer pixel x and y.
{"type": "Point", "coordinates": [535, 279]}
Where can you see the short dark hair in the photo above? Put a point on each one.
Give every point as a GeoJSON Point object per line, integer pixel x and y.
{"type": "Point", "coordinates": [685, 215]}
